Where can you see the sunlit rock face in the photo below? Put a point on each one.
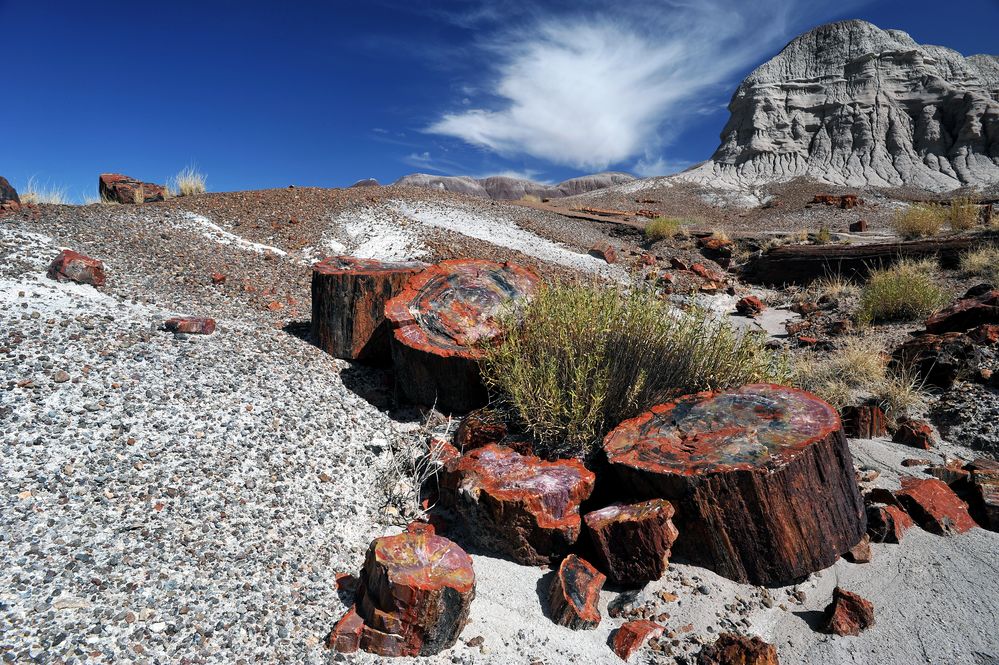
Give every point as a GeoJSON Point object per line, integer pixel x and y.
{"type": "Point", "coordinates": [851, 104]}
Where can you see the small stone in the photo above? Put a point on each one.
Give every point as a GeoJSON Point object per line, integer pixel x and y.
{"type": "Point", "coordinates": [861, 552]}
{"type": "Point", "coordinates": [848, 613]}
{"type": "Point", "coordinates": [630, 637]}
{"type": "Point", "coordinates": [61, 376]}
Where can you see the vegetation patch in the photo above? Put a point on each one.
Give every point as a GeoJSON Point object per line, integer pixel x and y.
{"type": "Point", "coordinates": [35, 193]}
{"type": "Point", "coordinates": [906, 291]}
{"type": "Point", "coordinates": [188, 182]}
{"type": "Point", "coordinates": [661, 228]}
{"type": "Point", "coordinates": [982, 262]}
{"type": "Point", "coordinates": [920, 221]}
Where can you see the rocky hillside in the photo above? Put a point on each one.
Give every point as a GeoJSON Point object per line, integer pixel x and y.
{"type": "Point", "coordinates": [504, 188]}
{"type": "Point", "coordinates": [851, 104]}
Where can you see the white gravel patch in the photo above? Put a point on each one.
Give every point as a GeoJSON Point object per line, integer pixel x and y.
{"type": "Point", "coordinates": [216, 233]}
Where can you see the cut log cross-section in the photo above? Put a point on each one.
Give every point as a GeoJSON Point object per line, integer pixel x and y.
{"type": "Point", "coordinates": [348, 305]}
{"type": "Point", "coordinates": [761, 478]}
{"type": "Point", "coordinates": [441, 318]}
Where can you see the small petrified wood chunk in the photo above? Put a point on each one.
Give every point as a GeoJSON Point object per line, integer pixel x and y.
{"type": "Point", "coordinates": [861, 552]}
{"type": "Point", "coordinates": [750, 306]}
{"type": "Point", "coordinates": [480, 428]}
{"type": "Point", "coordinates": [346, 634]}
{"type": "Point", "coordinates": [887, 524]}
{"type": "Point", "coordinates": [761, 478]}
{"type": "Point", "coordinates": [848, 613]}
{"type": "Point", "coordinates": [441, 318]}
{"type": "Point", "coordinates": [915, 434]}
{"type": "Point", "coordinates": [864, 421]}
{"type": "Point", "coordinates": [7, 192]}
{"type": "Point", "coordinates": [348, 305]}
{"type": "Point", "coordinates": [934, 506]}
{"type": "Point", "coordinates": [415, 593]}
{"type": "Point", "coordinates": [190, 325]}
{"type": "Point", "coordinates": [72, 266]}
{"type": "Point", "coordinates": [632, 636]}
{"type": "Point", "coordinates": [633, 542]}
{"type": "Point", "coordinates": [966, 314]}
{"type": "Point", "coordinates": [574, 594]}
{"type": "Point", "coordinates": [732, 649]}
{"type": "Point", "coordinates": [518, 505]}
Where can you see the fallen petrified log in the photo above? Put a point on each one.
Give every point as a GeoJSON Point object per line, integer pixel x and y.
{"type": "Point", "coordinates": [574, 594]}
{"type": "Point", "coordinates": [123, 189]}
{"type": "Point", "coordinates": [966, 313]}
{"type": "Point", "coordinates": [440, 319]}
{"type": "Point", "coordinates": [348, 305]}
{"type": "Point", "coordinates": [632, 542]}
{"type": "Point", "coordinates": [72, 266]}
{"type": "Point", "coordinates": [939, 360]}
{"type": "Point", "coordinates": [517, 505]}
{"type": "Point", "coordinates": [801, 264]}
{"type": "Point", "coordinates": [761, 477]}
{"type": "Point", "coordinates": [415, 593]}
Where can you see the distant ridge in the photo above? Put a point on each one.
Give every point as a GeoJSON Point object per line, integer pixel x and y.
{"type": "Point", "coordinates": [504, 188]}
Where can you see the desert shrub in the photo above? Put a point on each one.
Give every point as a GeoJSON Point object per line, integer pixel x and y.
{"type": "Point", "coordinates": [962, 214]}
{"type": "Point", "coordinates": [411, 469]}
{"type": "Point", "coordinates": [918, 221]}
{"type": "Point", "coordinates": [579, 359]}
{"type": "Point", "coordinates": [904, 292]}
{"type": "Point", "coordinates": [982, 262]}
{"type": "Point", "coordinates": [531, 198]}
{"type": "Point", "coordinates": [33, 192]}
{"type": "Point", "coordinates": [858, 371]}
{"type": "Point", "coordinates": [661, 228]}
{"type": "Point", "coordinates": [189, 181]}
{"type": "Point", "coordinates": [833, 286]}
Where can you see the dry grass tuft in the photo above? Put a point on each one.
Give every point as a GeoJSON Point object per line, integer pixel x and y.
{"type": "Point", "coordinates": [962, 214]}
{"type": "Point", "coordinates": [414, 462]}
{"type": "Point", "coordinates": [661, 228]}
{"type": "Point", "coordinates": [580, 359]}
{"type": "Point", "coordinates": [833, 286]}
{"type": "Point", "coordinates": [188, 182]}
{"type": "Point", "coordinates": [35, 194]}
{"type": "Point", "coordinates": [919, 221]}
{"type": "Point", "coordinates": [982, 262]}
{"type": "Point", "coordinates": [906, 291]}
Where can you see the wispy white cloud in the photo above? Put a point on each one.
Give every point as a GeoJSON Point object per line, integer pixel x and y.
{"type": "Point", "coordinates": [651, 165]}
{"type": "Point", "coordinates": [595, 87]}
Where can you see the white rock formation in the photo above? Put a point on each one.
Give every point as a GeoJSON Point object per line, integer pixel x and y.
{"type": "Point", "coordinates": [851, 104]}
{"type": "Point", "coordinates": [505, 188]}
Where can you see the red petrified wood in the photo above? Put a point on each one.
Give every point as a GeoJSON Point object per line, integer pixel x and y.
{"type": "Point", "coordinates": [414, 598]}
{"type": "Point", "coordinates": [848, 613]}
{"type": "Point", "coordinates": [887, 524]}
{"type": "Point", "coordinates": [761, 477]}
{"type": "Point", "coordinates": [75, 267]}
{"type": "Point", "coordinates": [348, 305]}
{"type": "Point", "coordinates": [985, 480]}
{"type": "Point", "coordinates": [731, 649]}
{"type": "Point", "coordinates": [966, 314]}
{"type": "Point", "coordinates": [750, 306]}
{"type": "Point", "coordinates": [518, 505]}
{"type": "Point", "coordinates": [915, 434]}
{"type": "Point", "coordinates": [934, 506]}
{"type": "Point", "coordinates": [123, 189]}
{"type": "Point", "coordinates": [633, 635]}
{"type": "Point", "coordinates": [632, 542]}
{"type": "Point", "coordinates": [864, 421]}
{"type": "Point", "coordinates": [574, 594]}
{"type": "Point", "coordinates": [441, 318]}
{"type": "Point", "coordinates": [191, 325]}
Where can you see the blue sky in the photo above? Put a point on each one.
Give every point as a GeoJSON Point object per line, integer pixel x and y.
{"type": "Point", "coordinates": [267, 94]}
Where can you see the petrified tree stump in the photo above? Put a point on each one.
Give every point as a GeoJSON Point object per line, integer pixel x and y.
{"type": "Point", "coordinates": [415, 594]}
{"type": "Point", "coordinates": [574, 594]}
{"type": "Point", "coordinates": [632, 542]}
{"type": "Point", "coordinates": [761, 478]}
{"type": "Point", "coordinates": [517, 505]}
{"type": "Point", "coordinates": [441, 318]}
{"type": "Point", "coordinates": [348, 304]}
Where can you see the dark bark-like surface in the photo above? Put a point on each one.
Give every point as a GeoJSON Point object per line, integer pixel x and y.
{"type": "Point", "coordinates": [348, 305]}
{"type": "Point", "coordinates": [632, 542]}
{"type": "Point", "coordinates": [7, 192]}
{"type": "Point", "coordinates": [123, 189]}
{"type": "Point", "coordinates": [801, 264]}
{"type": "Point", "coordinates": [761, 477]}
{"type": "Point", "coordinates": [72, 266]}
{"type": "Point", "coordinates": [441, 319]}
{"type": "Point", "coordinates": [574, 594]}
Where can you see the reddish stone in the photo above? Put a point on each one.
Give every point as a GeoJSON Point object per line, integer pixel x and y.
{"type": "Point", "coordinates": [75, 267]}
{"type": "Point", "coordinates": [915, 434]}
{"type": "Point", "coordinates": [574, 594]}
{"type": "Point", "coordinates": [966, 314]}
{"type": "Point", "coordinates": [859, 226]}
{"type": "Point", "coordinates": [479, 428]}
{"type": "Point", "coordinates": [934, 506]}
{"type": "Point", "coordinates": [985, 480]}
{"type": "Point", "coordinates": [218, 278]}
{"type": "Point", "coordinates": [679, 264]}
{"type": "Point", "coordinates": [731, 649]}
{"type": "Point", "coordinates": [807, 340]}
{"type": "Point", "coordinates": [986, 334]}
{"type": "Point", "coordinates": [123, 189]}
{"type": "Point", "coordinates": [940, 360]}
{"type": "Point", "coordinates": [632, 636]}
{"type": "Point", "coordinates": [864, 421]}
{"type": "Point", "coordinates": [275, 306]}
{"type": "Point", "coordinates": [346, 634]}
{"type": "Point", "coordinates": [848, 613]}
{"type": "Point", "coordinates": [190, 325]}
{"type": "Point", "coordinates": [861, 552]}
{"type": "Point", "coordinates": [647, 259]}
{"type": "Point", "coordinates": [704, 272]}
{"type": "Point", "coordinates": [718, 250]}
{"type": "Point", "coordinates": [7, 192]}
{"type": "Point", "coordinates": [846, 201]}
{"type": "Point", "coordinates": [441, 320]}
{"type": "Point", "coordinates": [632, 542]}
{"type": "Point", "coordinates": [604, 251]}
{"type": "Point", "coordinates": [421, 527]}
{"type": "Point", "coordinates": [761, 477]}
{"type": "Point", "coordinates": [518, 505]}
{"type": "Point", "coordinates": [795, 327]}
{"type": "Point", "coordinates": [887, 524]}
{"type": "Point", "coordinates": [750, 306]}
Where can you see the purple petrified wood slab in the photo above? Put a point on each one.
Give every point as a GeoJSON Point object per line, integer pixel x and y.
{"type": "Point", "coordinates": [761, 477]}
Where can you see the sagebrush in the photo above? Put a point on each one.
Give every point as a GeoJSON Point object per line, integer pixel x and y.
{"type": "Point", "coordinates": [579, 359]}
{"type": "Point", "coordinates": [907, 291]}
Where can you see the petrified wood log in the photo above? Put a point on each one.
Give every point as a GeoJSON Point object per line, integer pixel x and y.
{"type": "Point", "coordinates": [415, 594]}
{"type": "Point", "coordinates": [632, 542]}
{"type": "Point", "coordinates": [517, 505]}
{"type": "Point", "coordinates": [965, 314]}
{"type": "Point", "coordinates": [441, 318]}
{"type": "Point", "coordinates": [934, 506]}
{"type": "Point", "coordinates": [574, 594]}
{"type": "Point", "coordinates": [190, 325]}
{"type": "Point", "coordinates": [123, 189]}
{"type": "Point", "coordinates": [732, 649]}
{"type": "Point", "coordinates": [348, 305]}
{"type": "Point", "coordinates": [761, 478]}
{"type": "Point", "coordinates": [864, 421]}
{"type": "Point", "coordinates": [801, 264]}
{"type": "Point", "coordinates": [72, 266]}
{"type": "Point", "coordinates": [630, 637]}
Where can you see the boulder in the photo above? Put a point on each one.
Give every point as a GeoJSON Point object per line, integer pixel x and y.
{"type": "Point", "coordinates": [940, 360]}
{"type": "Point", "coordinates": [750, 306]}
{"type": "Point", "coordinates": [604, 251]}
{"type": "Point", "coordinates": [848, 614]}
{"type": "Point", "coordinates": [441, 319]}
{"type": "Point", "coordinates": [731, 649]}
{"type": "Point", "coordinates": [123, 189]}
{"type": "Point", "coordinates": [864, 421]}
{"type": "Point", "coordinates": [575, 593]}
{"type": "Point", "coordinates": [415, 593]}
{"type": "Point", "coordinates": [966, 314]}
{"type": "Point", "coordinates": [632, 542]}
{"type": "Point", "coordinates": [632, 636]}
{"type": "Point", "coordinates": [517, 505]}
{"type": "Point", "coordinates": [915, 434]}
{"type": "Point", "coordinates": [190, 325]}
{"type": "Point", "coordinates": [7, 192]}
{"type": "Point", "coordinates": [72, 266]}
{"type": "Point", "coordinates": [934, 506]}
{"type": "Point", "coordinates": [887, 524]}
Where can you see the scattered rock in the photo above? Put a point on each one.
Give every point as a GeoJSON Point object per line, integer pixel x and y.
{"type": "Point", "coordinates": [915, 434]}
{"type": "Point", "coordinates": [717, 249]}
{"type": "Point", "coordinates": [574, 594]}
{"type": "Point", "coordinates": [632, 542]}
{"type": "Point", "coordinates": [858, 226]}
{"type": "Point", "coordinates": [864, 421]}
{"type": "Point", "coordinates": [940, 360]}
{"type": "Point", "coordinates": [75, 267]}
{"type": "Point", "coordinates": [218, 278]}
{"type": "Point", "coordinates": [190, 325]}
{"type": "Point", "coordinates": [750, 306]}
{"type": "Point", "coordinates": [731, 649]}
{"type": "Point", "coordinates": [966, 314]}
{"type": "Point", "coordinates": [848, 613]}
{"type": "Point", "coordinates": [861, 552]}
{"type": "Point", "coordinates": [934, 506]}
{"type": "Point", "coordinates": [632, 636]}
{"type": "Point", "coordinates": [480, 428]}
{"type": "Point", "coordinates": [986, 334]}
{"type": "Point", "coordinates": [604, 251]}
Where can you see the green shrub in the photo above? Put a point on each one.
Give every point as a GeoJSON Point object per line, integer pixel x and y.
{"type": "Point", "coordinates": [580, 359]}
{"type": "Point", "coordinates": [962, 214]}
{"type": "Point", "coordinates": [906, 291]}
{"type": "Point", "coordinates": [661, 228]}
{"type": "Point", "coordinates": [919, 221]}
{"type": "Point", "coordinates": [982, 262]}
